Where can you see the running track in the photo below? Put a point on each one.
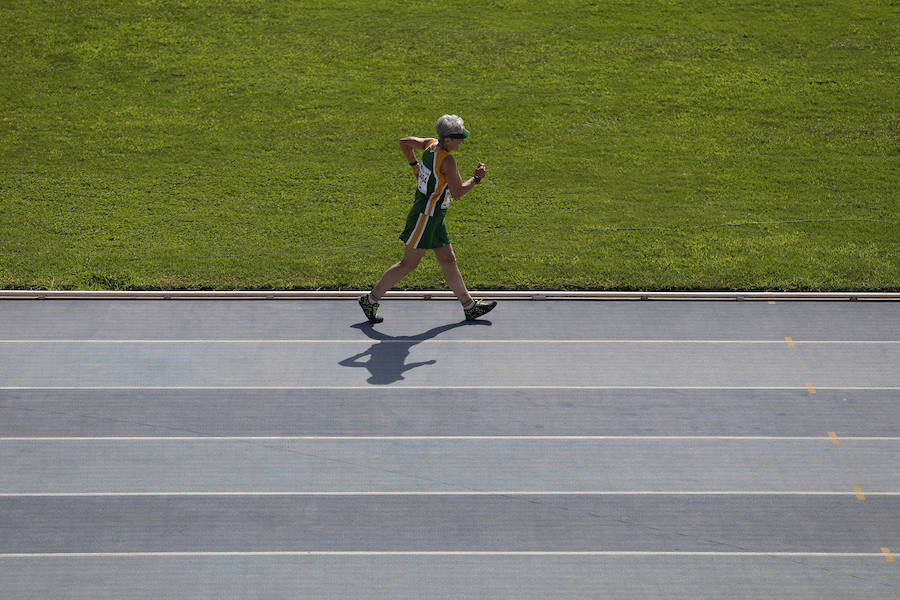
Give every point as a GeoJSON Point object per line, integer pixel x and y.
{"type": "Point", "coordinates": [556, 449]}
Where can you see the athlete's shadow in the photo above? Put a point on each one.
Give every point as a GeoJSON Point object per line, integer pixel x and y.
{"type": "Point", "coordinates": [387, 359]}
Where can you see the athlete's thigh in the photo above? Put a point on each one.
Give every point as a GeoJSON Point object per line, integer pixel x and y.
{"type": "Point", "coordinates": [412, 256]}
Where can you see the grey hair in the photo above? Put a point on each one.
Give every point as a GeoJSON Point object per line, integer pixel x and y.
{"type": "Point", "coordinates": [448, 125]}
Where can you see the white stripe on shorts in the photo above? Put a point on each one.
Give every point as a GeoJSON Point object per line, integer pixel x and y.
{"type": "Point", "coordinates": [415, 239]}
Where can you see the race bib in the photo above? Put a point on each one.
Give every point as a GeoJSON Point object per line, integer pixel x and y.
{"type": "Point", "coordinates": [424, 175]}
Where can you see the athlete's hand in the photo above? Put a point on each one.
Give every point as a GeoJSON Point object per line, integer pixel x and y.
{"type": "Point", "coordinates": [480, 171]}
{"type": "Point", "coordinates": [416, 171]}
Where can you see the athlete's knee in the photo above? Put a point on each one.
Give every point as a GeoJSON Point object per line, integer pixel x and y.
{"type": "Point", "coordinates": [447, 258]}
{"type": "Point", "coordinates": [408, 264]}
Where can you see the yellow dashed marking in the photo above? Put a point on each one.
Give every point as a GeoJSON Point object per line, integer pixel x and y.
{"type": "Point", "coordinates": [810, 388]}
{"type": "Point", "coordinates": [859, 493]}
{"type": "Point", "coordinates": [888, 556]}
{"type": "Point", "coordinates": [834, 437]}
{"type": "Point", "coordinates": [790, 343]}
{"type": "Point", "coordinates": [771, 302]}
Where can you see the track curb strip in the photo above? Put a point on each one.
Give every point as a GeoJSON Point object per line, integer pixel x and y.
{"type": "Point", "coordinates": [437, 295]}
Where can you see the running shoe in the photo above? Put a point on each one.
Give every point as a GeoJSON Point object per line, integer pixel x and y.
{"type": "Point", "coordinates": [481, 308]}
{"type": "Point", "coordinates": [369, 308]}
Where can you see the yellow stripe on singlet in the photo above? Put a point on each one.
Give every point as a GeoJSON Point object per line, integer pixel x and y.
{"type": "Point", "coordinates": [440, 181]}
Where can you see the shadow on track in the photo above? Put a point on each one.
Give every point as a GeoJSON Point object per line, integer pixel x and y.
{"type": "Point", "coordinates": [387, 359]}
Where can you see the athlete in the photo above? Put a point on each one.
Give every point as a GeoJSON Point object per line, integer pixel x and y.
{"type": "Point", "coordinates": [437, 174]}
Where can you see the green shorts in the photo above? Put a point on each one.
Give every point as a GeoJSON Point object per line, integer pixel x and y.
{"type": "Point", "coordinates": [424, 231]}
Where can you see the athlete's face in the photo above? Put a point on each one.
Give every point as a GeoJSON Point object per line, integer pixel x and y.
{"type": "Point", "coordinates": [453, 144]}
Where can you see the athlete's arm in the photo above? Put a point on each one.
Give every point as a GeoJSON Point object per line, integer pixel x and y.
{"type": "Point", "coordinates": [406, 146]}
{"type": "Point", "coordinates": [458, 187]}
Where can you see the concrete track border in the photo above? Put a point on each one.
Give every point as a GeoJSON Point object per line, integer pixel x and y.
{"type": "Point", "coordinates": [440, 295]}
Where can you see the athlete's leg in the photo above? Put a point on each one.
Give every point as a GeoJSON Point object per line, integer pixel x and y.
{"type": "Point", "coordinates": [407, 264]}
{"type": "Point", "coordinates": [447, 259]}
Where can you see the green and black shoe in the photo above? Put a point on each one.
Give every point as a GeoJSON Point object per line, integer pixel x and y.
{"type": "Point", "coordinates": [369, 308]}
{"type": "Point", "coordinates": [481, 308]}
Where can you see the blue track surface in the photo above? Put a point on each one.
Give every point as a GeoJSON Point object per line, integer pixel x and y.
{"type": "Point", "coordinates": [560, 449]}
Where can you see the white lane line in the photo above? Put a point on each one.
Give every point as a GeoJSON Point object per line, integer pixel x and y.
{"type": "Point", "coordinates": [441, 493]}
{"type": "Point", "coordinates": [394, 389]}
{"type": "Point", "coordinates": [405, 438]}
{"type": "Point", "coordinates": [437, 553]}
{"type": "Point", "coordinates": [404, 340]}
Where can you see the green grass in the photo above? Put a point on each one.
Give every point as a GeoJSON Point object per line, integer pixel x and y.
{"type": "Point", "coordinates": [244, 144]}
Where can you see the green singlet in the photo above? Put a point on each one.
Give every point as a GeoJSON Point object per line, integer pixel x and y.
{"type": "Point", "coordinates": [425, 226]}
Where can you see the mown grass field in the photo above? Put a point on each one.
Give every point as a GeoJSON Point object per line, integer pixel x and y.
{"type": "Point", "coordinates": [630, 145]}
